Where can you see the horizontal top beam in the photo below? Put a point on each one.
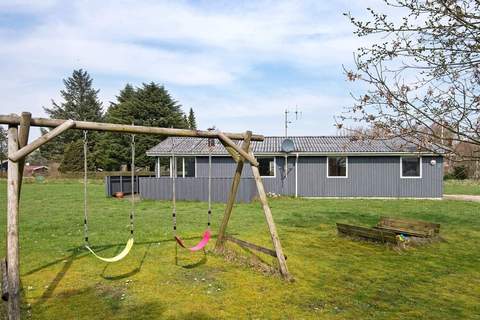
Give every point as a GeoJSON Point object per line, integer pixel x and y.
{"type": "Point", "coordinates": [125, 128]}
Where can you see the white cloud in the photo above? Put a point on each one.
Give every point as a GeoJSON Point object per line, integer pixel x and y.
{"type": "Point", "coordinates": [110, 36]}
{"type": "Point", "coordinates": [212, 45]}
{"type": "Point", "coordinates": [26, 5]}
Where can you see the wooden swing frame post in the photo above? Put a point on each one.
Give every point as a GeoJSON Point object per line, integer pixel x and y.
{"type": "Point", "coordinates": [222, 237]}
{"type": "Point", "coordinates": [18, 149]}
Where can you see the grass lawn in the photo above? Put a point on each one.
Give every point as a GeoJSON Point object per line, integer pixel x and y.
{"type": "Point", "coordinates": [470, 187]}
{"type": "Point", "coordinates": [336, 278]}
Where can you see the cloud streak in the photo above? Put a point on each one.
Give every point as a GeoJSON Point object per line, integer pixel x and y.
{"type": "Point", "coordinates": [210, 55]}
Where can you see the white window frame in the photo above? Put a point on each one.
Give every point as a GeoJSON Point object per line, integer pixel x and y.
{"type": "Point", "coordinates": [274, 167]}
{"type": "Point", "coordinates": [183, 166]}
{"type": "Point", "coordinates": [401, 168]}
{"type": "Point", "coordinates": [346, 168]}
{"type": "Point", "coordinates": [158, 171]}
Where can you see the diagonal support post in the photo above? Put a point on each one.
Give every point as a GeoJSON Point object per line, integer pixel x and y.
{"type": "Point", "coordinates": [234, 154]}
{"type": "Point", "coordinates": [29, 148]}
{"type": "Point", "coordinates": [277, 245]}
{"type": "Point", "coordinates": [23, 133]}
{"type": "Point", "coordinates": [242, 152]}
{"type": "Point", "coordinates": [232, 195]}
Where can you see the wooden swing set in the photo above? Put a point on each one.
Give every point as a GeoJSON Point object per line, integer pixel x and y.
{"type": "Point", "coordinates": [19, 148]}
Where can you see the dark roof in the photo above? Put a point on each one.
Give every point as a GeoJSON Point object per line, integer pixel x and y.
{"type": "Point", "coordinates": [302, 144]}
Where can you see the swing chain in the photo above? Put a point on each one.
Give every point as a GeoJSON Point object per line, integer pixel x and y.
{"type": "Point", "coordinates": [173, 174]}
{"type": "Point", "coordinates": [211, 144]}
{"type": "Point", "coordinates": [132, 168]}
{"type": "Point", "coordinates": [85, 190]}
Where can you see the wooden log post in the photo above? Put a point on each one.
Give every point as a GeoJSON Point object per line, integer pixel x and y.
{"type": "Point", "coordinates": [270, 222]}
{"type": "Point", "coordinates": [12, 228]}
{"type": "Point", "coordinates": [23, 133]}
{"type": "Point", "coordinates": [232, 195]}
{"type": "Point", "coordinates": [126, 128]}
{"type": "Point", "coordinates": [37, 143]}
{"type": "Point", "coordinates": [242, 152]}
{"type": "Point", "coordinates": [253, 246]}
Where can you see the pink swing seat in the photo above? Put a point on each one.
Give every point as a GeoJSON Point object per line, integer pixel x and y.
{"type": "Point", "coordinates": [199, 246]}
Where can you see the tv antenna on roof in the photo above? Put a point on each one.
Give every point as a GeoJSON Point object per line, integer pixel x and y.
{"type": "Point", "coordinates": [298, 115]}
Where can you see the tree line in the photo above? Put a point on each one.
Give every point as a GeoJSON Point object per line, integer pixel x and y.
{"type": "Point", "coordinates": [148, 105]}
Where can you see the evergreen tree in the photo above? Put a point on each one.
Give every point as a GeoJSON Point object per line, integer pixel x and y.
{"type": "Point", "coordinates": [80, 103]}
{"type": "Point", "coordinates": [149, 105]}
{"type": "Point", "coordinates": [80, 99]}
{"type": "Point", "coordinates": [192, 121]}
{"type": "Point", "coordinates": [73, 157]}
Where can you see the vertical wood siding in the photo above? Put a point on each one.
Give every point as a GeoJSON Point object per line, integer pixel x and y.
{"type": "Point", "coordinates": [195, 189]}
{"type": "Point", "coordinates": [367, 177]}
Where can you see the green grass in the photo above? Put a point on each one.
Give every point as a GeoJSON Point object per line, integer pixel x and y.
{"type": "Point", "coordinates": [336, 278]}
{"type": "Point", "coordinates": [470, 187]}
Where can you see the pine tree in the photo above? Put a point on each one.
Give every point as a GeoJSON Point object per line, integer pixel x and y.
{"type": "Point", "coordinates": [149, 105]}
{"type": "Point", "coordinates": [80, 103]}
{"type": "Point", "coordinates": [73, 157]}
{"type": "Point", "coordinates": [192, 121]}
{"type": "Point", "coordinates": [80, 99]}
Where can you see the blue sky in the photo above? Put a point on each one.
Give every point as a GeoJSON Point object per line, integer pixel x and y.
{"type": "Point", "coordinates": [238, 64]}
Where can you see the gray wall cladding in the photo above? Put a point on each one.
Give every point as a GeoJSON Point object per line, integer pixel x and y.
{"type": "Point", "coordinates": [368, 176]}
{"type": "Point", "coordinates": [195, 189]}
{"type": "Point", "coordinates": [377, 176]}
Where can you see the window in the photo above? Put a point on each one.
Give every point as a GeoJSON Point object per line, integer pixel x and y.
{"type": "Point", "coordinates": [266, 166]}
{"type": "Point", "coordinates": [189, 167]}
{"type": "Point", "coordinates": [164, 166]}
{"type": "Point", "coordinates": [337, 167]}
{"type": "Point", "coordinates": [411, 167]}
{"type": "Point", "coordinates": [179, 166]}
{"type": "Point", "coordinates": [186, 167]}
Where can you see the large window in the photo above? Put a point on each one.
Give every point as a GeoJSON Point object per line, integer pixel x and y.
{"type": "Point", "coordinates": [266, 166]}
{"type": "Point", "coordinates": [411, 167]}
{"type": "Point", "coordinates": [189, 167]}
{"type": "Point", "coordinates": [186, 166]}
{"type": "Point", "coordinates": [179, 166]}
{"type": "Point", "coordinates": [337, 167]}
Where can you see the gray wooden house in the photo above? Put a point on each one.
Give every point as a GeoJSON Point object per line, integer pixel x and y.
{"type": "Point", "coordinates": [315, 166]}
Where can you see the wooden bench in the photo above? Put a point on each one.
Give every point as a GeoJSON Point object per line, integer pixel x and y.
{"type": "Point", "coordinates": [381, 235]}
{"type": "Point", "coordinates": [408, 227]}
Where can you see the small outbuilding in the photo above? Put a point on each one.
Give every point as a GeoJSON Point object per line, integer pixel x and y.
{"type": "Point", "coordinates": [33, 170]}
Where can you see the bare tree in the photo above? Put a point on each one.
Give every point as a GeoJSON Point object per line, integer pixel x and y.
{"type": "Point", "coordinates": [423, 75]}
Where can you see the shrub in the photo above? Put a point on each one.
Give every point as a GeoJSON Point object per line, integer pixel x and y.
{"type": "Point", "coordinates": [460, 172]}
